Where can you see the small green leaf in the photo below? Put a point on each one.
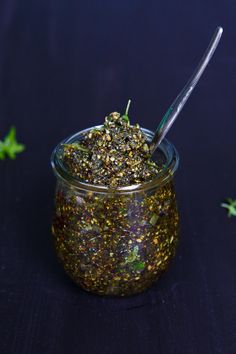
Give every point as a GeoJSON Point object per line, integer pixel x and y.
{"type": "Point", "coordinates": [230, 205]}
{"type": "Point", "coordinates": [9, 146]}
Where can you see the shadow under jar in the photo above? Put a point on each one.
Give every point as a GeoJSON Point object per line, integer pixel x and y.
{"type": "Point", "coordinates": [116, 242]}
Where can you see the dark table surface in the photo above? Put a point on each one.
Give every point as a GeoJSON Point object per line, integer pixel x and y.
{"type": "Point", "coordinates": [63, 67]}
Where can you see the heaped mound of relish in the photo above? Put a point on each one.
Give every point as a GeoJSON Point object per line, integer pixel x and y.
{"type": "Point", "coordinates": [117, 154]}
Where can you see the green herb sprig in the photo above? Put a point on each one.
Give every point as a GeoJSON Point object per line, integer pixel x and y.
{"type": "Point", "coordinates": [230, 205]}
{"type": "Point", "coordinates": [9, 147]}
{"type": "Point", "coordinates": [125, 116]}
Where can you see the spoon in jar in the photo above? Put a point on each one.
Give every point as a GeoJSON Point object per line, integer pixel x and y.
{"type": "Point", "coordinates": [176, 107]}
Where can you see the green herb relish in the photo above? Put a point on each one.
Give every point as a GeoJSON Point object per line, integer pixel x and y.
{"type": "Point", "coordinates": [117, 154]}
{"type": "Point", "coordinates": [114, 243]}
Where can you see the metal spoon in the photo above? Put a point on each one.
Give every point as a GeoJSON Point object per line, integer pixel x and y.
{"type": "Point", "coordinates": [176, 107]}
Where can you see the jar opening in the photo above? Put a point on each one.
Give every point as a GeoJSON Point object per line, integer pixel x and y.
{"type": "Point", "coordinates": [165, 152]}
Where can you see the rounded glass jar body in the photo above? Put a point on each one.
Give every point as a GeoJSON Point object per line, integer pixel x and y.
{"type": "Point", "coordinates": [116, 242]}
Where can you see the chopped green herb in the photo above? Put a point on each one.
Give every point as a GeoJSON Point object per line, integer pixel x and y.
{"type": "Point", "coordinates": [230, 204]}
{"type": "Point", "coordinates": [133, 255]}
{"type": "Point", "coordinates": [123, 210]}
{"type": "Point", "coordinates": [154, 219]}
{"type": "Point", "coordinates": [9, 147]}
{"type": "Point", "coordinates": [138, 265]}
{"type": "Point", "coordinates": [132, 260]}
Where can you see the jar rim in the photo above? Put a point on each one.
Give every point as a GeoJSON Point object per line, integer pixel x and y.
{"type": "Point", "coordinates": [166, 147]}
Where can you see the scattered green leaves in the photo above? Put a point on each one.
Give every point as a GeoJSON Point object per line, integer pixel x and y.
{"type": "Point", "coordinates": [9, 147]}
{"type": "Point", "coordinates": [230, 204]}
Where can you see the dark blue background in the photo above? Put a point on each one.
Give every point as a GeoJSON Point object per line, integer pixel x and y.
{"type": "Point", "coordinates": [63, 66]}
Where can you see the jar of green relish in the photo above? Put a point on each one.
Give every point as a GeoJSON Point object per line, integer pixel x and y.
{"type": "Point", "coordinates": [116, 241]}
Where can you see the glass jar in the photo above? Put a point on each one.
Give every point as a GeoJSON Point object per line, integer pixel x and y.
{"type": "Point", "coordinates": [116, 242]}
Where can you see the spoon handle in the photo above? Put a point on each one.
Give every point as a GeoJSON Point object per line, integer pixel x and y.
{"type": "Point", "coordinates": [176, 107]}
